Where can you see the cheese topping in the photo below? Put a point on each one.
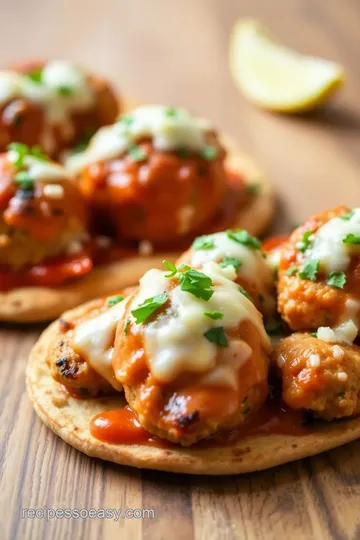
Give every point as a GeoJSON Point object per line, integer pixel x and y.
{"type": "Point", "coordinates": [328, 247]}
{"type": "Point", "coordinates": [178, 130]}
{"type": "Point", "coordinates": [347, 329]}
{"type": "Point", "coordinates": [39, 169]}
{"type": "Point", "coordinates": [175, 341]}
{"type": "Point", "coordinates": [62, 89]}
{"type": "Point", "coordinates": [94, 340]}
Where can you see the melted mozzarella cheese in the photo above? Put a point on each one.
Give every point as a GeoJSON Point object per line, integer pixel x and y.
{"type": "Point", "coordinates": [168, 132]}
{"type": "Point", "coordinates": [41, 170]}
{"type": "Point", "coordinates": [175, 341]}
{"type": "Point", "coordinates": [347, 329]}
{"type": "Point", "coordinates": [94, 340]}
{"type": "Point", "coordinates": [63, 89]}
{"type": "Point", "coordinates": [328, 246]}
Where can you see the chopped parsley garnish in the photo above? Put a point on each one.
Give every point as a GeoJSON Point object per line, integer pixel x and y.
{"type": "Point", "coordinates": [309, 270]}
{"type": "Point", "coordinates": [170, 111]}
{"type": "Point", "coordinates": [35, 75]}
{"type": "Point", "coordinates": [245, 293]}
{"type": "Point", "coordinates": [83, 142]}
{"type": "Point", "coordinates": [292, 270]}
{"type": "Point", "coordinates": [203, 242]}
{"type": "Point", "coordinates": [20, 150]}
{"type": "Point", "coordinates": [196, 283]}
{"type": "Point", "coordinates": [183, 153]}
{"type": "Point", "coordinates": [65, 90]}
{"type": "Point", "coordinates": [137, 153]}
{"type": "Point", "coordinates": [214, 315]}
{"type": "Point", "coordinates": [348, 215]}
{"type": "Point", "coordinates": [126, 327]}
{"type": "Point", "coordinates": [171, 267]}
{"type": "Point", "coordinates": [217, 335]}
{"type": "Point", "coordinates": [126, 119]}
{"type": "Point", "coordinates": [115, 300]}
{"type": "Point", "coordinates": [210, 152]}
{"type": "Point", "coordinates": [275, 328]}
{"type": "Point", "coordinates": [305, 242]}
{"type": "Point", "coordinates": [314, 334]}
{"type": "Point", "coordinates": [24, 180]}
{"type": "Point", "coordinates": [243, 237]}
{"type": "Point", "coordinates": [231, 261]}
{"type": "Point", "coordinates": [253, 189]}
{"type": "Point", "coordinates": [148, 307]}
{"type": "Point", "coordinates": [37, 153]}
{"type": "Point", "coordinates": [337, 279]}
{"type": "Point", "coordinates": [351, 239]}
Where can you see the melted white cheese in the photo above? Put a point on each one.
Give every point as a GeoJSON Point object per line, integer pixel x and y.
{"type": "Point", "coordinates": [328, 246]}
{"type": "Point", "coordinates": [168, 132]}
{"type": "Point", "coordinates": [41, 170]}
{"type": "Point", "coordinates": [50, 95]}
{"type": "Point", "coordinates": [175, 341]}
{"type": "Point", "coordinates": [347, 329]}
{"type": "Point", "coordinates": [94, 340]}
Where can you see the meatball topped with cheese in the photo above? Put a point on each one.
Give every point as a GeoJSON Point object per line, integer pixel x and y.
{"type": "Point", "coordinates": [55, 104]}
{"type": "Point", "coordinates": [319, 276]}
{"type": "Point", "coordinates": [156, 174]}
{"type": "Point", "coordinates": [192, 353]}
{"type": "Point", "coordinates": [42, 212]}
{"type": "Point", "coordinates": [239, 250]}
{"type": "Point", "coordinates": [319, 376]}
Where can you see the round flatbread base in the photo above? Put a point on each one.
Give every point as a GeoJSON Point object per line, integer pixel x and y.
{"type": "Point", "coordinates": [70, 418]}
{"type": "Point", "coordinates": [35, 304]}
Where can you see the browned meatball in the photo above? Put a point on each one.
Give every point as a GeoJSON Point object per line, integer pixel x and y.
{"type": "Point", "coordinates": [309, 296]}
{"type": "Point", "coordinates": [319, 376]}
{"type": "Point", "coordinates": [56, 120]}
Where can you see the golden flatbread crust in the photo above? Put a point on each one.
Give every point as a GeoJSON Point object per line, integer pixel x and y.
{"type": "Point", "coordinates": [35, 304]}
{"type": "Point", "coordinates": [69, 418]}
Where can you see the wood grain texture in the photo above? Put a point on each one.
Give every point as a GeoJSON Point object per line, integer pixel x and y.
{"type": "Point", "coordinates": [176, 52]}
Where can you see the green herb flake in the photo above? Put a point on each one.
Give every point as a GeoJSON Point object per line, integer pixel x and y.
{"type": "Point", "coordinates": [292, 270]}
{"type": "Point", "coordinates": [24, 180]}
{"type": "Point", "coordinates": [183, 153]}
{"type": "Point", "coordinates": [305, 242]}
{"type": "Point", "coordinates": [351, 239]}
{"type": "Point", "coordinates": [337, 279]}
{"type": "Point", "coordinates": [214, 315]}
{"type": "Point", "coordinates": [314, 334]}
{"type": "Point", "coordinates": [35, 75]}
{"type": "Point", "coordinates": [20, 151]}
{"type": "Point", "coordinates": [217, 335]}
{"type": "Point", "coordinates": [126, 119]}
{"type": "Point", "coordinates": [115, 300]}
{"type": "Point", "coordinates": [243, 237]}
{"type": "Point", "coordinates": [126, 327]}
{"type": "Point", "coordinates": [245, 293]}
{"type": "Point", "coordinates": [210, 152]}
{"type": "Point", "coordinates": [231, 261]}
{"type": "Point", "coordinates": [137, 153]}
{"type": "Point", "coordinates": [348, 215]}
{"type": "Point", "coordinates": [148, 307]}
{"type": "Point", "coordinates": [196, 283]}
{"type": "Point", "coordinates": [171, 267]}
{"type": "Point", "coordinates": [65, 91]}
{"type": "Point", "coordinates": [253, 189]}
{"type": "Point", "coordinates": [171, 111]}
{"type": "Point", "coordinates": [37, 153]}
{"type": "Point", "coordinates": [310, 270]}
{"type": "Point", "coordinates": [203, 242]}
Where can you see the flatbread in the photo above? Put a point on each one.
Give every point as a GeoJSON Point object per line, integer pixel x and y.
{"type": "Point", "coordinates": [69, 418]}
{"type": "Point", "coordinates": [35, 304]}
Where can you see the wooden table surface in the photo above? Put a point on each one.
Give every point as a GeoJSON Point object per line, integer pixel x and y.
{"type": "Point", "coordinates": [176, 52]}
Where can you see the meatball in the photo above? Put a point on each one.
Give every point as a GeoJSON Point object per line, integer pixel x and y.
{"type": "Point", "coordinates": [319, 271]}
{"type": "Point", "coordinates": [54, 104]}
{"type": "Point", "coordinates": [84, 373]}
{"type": "Point", "coordinates": [243, 252]}
{"type": "Point", "coordinates": [319, 376]}
{"type": "Point", "coordinates": [152, 176]}
{"type": "Point", "coordinates": [42, 212]}
{"type": "Point", "coordinates": [192, 354]}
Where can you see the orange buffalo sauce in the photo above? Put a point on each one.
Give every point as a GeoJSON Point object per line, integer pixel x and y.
{"type": "Point", "coordinates": [274, 242]}
{"type": "Point", "coordinates": [119, 426]}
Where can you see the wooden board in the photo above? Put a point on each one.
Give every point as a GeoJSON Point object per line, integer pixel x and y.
{"type": "Point", "coordinates": [176, 52]}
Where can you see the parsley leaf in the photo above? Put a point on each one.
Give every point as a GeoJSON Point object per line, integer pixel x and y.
{"type": "Point", "coordinates": [170, 111]}
{"type": "Point", "coordinates": [351, 239]}
{"type": "Point", "coordinates": [148, 307]}
{"type": "Point", "coordinates": [243, 237]}
{"type": "Point", "coordinates": [310, 270]}
{"type": "Point", "coordinates": [196, 283]}
{"type": "Point", "coordinates": [305, 242]}
{"type": "Point", "coordinates": [115, 300]}
{"type": "Point", "coordinates": [35, 75]}
{"type": "Point", "coordinates": [214, 314]}
{"type": "Point", "coordinates": [24, 180]}
{"type": "Point", "coordinates": [203, 242]}
{"type": "Point", "coordinates": [37, 153]}
{"type": "Point", "coordinates": [314, 334]}
{"type": "Point", "coordinates": [171, 267]}
{"type": "Point", "coordinates": [210, 152]}
{"type": "Point", "coordinates": [348, 215]}
{"type": "Point", "coordinates": [245, 293]}
{"type": "Point", "coordinates": [126, 119]}
{"type": "Point", "coordinates": [20, 151]}
{"type": "Point", "coordinates": [126, 327]}
{"type": "Point", "coordinates": [292, 270]}
{"type": "Point", "coordinates": [231, 261]}
{"type": "Point", "coordinates": [337, 279]}
{"type": "Point", "coordinates": [65, 90]}
{"type": "Point", "coordinates": [137, 153]}
{"type": "Point", "coordinates": [217, 335]}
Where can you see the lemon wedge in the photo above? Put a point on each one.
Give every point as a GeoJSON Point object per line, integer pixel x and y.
{"type": "Point", "coordinates": [276, 77]}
